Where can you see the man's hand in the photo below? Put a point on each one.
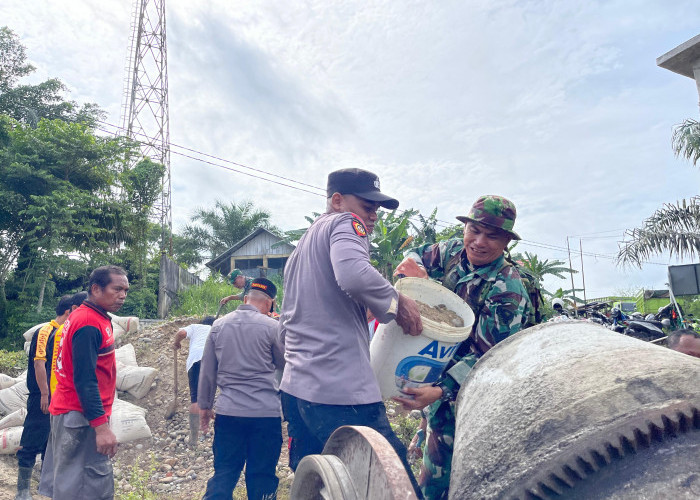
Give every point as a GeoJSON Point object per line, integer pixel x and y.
{"type": "Point", "coordinates": [224, 300]}
{"type": "Point", "coordinates": [409, 267]}
{"type": "Point", "coordinates": [106, 440]}
{"type": "Point", "coordinates": [45, 403]}
{"type": "Point", "coordinates": [177, 345]}
{"type": "Point", "coordinates": [422, 397]}
{"type": "Point", "coordinates": [205, 417]}
{"type": "Point", "coordinates": [408, 316]}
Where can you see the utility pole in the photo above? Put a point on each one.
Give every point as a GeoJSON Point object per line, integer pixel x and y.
{"type": "Point", "coordinates": [145, 111]}
{"type": "Point", "coordinates": [571, 272]}
{"type": "Point", "coordinates": [583, 276]}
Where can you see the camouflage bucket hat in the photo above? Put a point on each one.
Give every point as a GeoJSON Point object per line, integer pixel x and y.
{"type": "Point", "coordinates": [234, 274]}
{"type": "Point", "coordinates": [494, 211]}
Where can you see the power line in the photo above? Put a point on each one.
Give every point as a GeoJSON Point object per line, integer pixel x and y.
{"type": "Point", "coordinates": [597, 232]}
{"type": "Point", "coordinates": [443, 224]}
{"type": "Point", "coordinates": [219, 159]}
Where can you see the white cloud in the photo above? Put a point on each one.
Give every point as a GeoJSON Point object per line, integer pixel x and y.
{"type": "Point", "coordinates": [557, 105]}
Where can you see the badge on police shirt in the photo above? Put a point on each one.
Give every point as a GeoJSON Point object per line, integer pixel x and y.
{"type": "Point", "coordinates": [358, 226]}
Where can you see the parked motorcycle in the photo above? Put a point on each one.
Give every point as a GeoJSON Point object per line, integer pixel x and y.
{"type": "Point", "coordinates": [644, 329]}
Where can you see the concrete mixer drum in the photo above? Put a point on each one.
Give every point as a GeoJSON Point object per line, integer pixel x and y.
{"type": "Point", "coordinates": [572, 410]}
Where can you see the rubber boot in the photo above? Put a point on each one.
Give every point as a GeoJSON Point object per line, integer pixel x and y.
{"type": "Point", "coordinates": [23, 477]}
{"type": "Point", "coordinates": [194, 429]}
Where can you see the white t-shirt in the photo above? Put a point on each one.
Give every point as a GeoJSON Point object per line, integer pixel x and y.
{"type": "Point", "coordinates": [197, 334]}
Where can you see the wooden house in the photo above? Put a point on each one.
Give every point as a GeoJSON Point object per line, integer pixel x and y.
{"type": "Point", "coordinates": [254, 255]}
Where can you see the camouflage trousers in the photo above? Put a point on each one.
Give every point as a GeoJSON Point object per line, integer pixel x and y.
{"type": "Point", "coordinates": [434, 478]}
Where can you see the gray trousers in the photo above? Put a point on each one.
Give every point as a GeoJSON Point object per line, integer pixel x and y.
{"type": "Point", "coordinates": [72, 468]}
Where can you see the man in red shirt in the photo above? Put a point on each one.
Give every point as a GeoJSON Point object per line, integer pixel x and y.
{"type": "Point", "coordinates": [81, 444]}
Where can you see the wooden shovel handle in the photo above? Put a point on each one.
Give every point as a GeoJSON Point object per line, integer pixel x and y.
{"type": "Point", "coordinates": [175, 371]}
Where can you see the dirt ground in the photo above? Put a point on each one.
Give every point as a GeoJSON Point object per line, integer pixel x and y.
{"type": "Point", "coordinates": [180, 473]}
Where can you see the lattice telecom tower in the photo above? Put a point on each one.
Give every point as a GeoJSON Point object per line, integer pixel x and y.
{"type": "Point", "coordinates": [145, 106]}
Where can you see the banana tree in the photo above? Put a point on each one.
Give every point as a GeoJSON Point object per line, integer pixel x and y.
{"type": "Point", "coordinates": [389, 238]}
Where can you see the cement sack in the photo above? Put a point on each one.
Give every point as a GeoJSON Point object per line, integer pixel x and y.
{"type": "Point", "coordinates": [124, 324]}
{"type": "Point", "coordinates": [9, 440]}
{"type": "Point", "coordinates": [29, 333]}
{"type": "Point", "coordinates": [126, 355]}
{"type": "Point", "coordinates": [22, 377]}
{"type": "Point", "coordinates": [136, 380]}
{"type": "Point", "coordinates": [13, 398]}
{"type": "Point", "coordinates": [14, 419]}
{"type": "Point", "coordinates": [128, 422]}
{"type": "Point", "coordinates": [27, 346]}
{"type": "Point", "coordinates": [7, 381]}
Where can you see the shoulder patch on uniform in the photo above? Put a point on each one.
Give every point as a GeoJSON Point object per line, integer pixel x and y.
{"type": "Point", "coordinates": [358, 226]}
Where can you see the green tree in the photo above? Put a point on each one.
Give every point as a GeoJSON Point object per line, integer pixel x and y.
{"type": "Point", "coordinates": [394, 231]}
{"type": "Point", "coordinates": [186, 251]}
{"type": "Point", "coordinates": [142, 188]}
{"type": "Point", "coordinates": [390, 236]}
{"type": "Point", "coordinates": [541, 268]}
{"type": "Point", "coordinates": [449, 232]}
{"type": "Point", "coordinates": [56, 185]}
{"type": "Point", "coordinates": [30, 103]}
{"type": "Point", "coordinates": [216, 230]}
{"type": "Point", "coordinates": [568, 295]}
{"type": "Point", "coordinates": [675, 228]}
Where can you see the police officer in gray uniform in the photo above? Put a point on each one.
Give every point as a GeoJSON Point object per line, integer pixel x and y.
{"type": "Point", "coordinates": [329, 285]}
{"type": "Point", "coordinates": [240, 357]}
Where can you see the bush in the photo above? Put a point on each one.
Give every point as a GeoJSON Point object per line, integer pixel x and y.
{"type": "Point", "coordinates": [138, 476]}
{"type": "Point", "coordinates": [12, 363]}
{"type": "Point", "coordinates": [141, 302]}
{"type": "Point", "coordinates": [22, 316]}
{"type": "Point", "coordinates": [204, 299]}
{"type": "Point", "coordinates": [405, 428]}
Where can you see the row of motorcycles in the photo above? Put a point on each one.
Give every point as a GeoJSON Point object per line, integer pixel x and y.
{"type": "Point", "coordinates": [650, 327]}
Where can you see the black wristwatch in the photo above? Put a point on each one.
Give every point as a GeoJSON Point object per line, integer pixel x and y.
{"type": "Point", "coordinates": [447, 394]}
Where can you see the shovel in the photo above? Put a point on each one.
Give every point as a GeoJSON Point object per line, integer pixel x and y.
{"type": "Point", "coordinates": [172, 408]}
{"type": "Point", "coordinates": [218, 311]}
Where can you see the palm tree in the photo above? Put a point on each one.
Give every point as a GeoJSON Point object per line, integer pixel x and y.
{"type": "Point", "coordinates": [686, 140]}
{"type": "Point", "coordinates": [568, 295]}
{"type": "Point", "coordinates": [675, 228]}
{"type": "Point", "coordinates": [540, 268]}
{"type": "Point", "coordinates": [226, 224]}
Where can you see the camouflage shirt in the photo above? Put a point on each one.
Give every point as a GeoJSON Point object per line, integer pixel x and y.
{"type": "Point", "coordinates": [495, 293]}
{"type": "Point", "coordinates": [246, 287]}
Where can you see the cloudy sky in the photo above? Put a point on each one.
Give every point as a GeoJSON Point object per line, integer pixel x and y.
{"type": "Point", "coordinates": [557, 105]}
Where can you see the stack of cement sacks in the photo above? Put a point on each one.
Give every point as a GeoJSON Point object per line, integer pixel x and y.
{"type": "Point", "coordinates": [120, 324]}
{"type": "Point", "coordinates": [128, 421]}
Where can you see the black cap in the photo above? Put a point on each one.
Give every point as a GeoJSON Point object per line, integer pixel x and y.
{"type": "Point", "coordinates": [264, 285]}
{"type": "Point", "coordinates": [360, 183]}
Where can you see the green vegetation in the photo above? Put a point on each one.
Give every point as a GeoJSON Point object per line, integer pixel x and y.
{"type": "Point", "coordinates": [12, 362]}
{"type": "Point", "coordinates": [204, 300]}
{"type": "Point", "coordinates": [283, 489]}
{"type": "Point", "coordinates": [213, 231]}
{"type": "Point", "coordinates": [405, 427]}
{"type": "Point", "coordinates": [402, 423]}
{"type": "Point", "coordinates": [72, 200]}
{"type": "Point", "coordinates": [138, 476]}
{"type": "Point", "coordinates": [675, 228]}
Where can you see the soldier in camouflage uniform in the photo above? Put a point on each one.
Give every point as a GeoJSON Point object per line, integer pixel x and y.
{"type": "Point", "coordinates": [475, 269]}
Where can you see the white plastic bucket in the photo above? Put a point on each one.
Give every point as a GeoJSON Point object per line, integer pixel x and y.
{"type": "Point", "coordinates": [399, 360]}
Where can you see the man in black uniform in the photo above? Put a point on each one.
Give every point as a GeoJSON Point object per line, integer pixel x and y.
{"type": "Point", "coordinates": [37, 423]}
